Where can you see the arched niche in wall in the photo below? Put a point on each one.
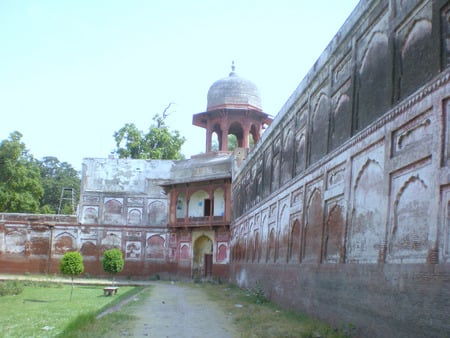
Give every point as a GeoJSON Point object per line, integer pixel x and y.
{"type": "Point", "coordinates": [256, 247]}
{"type": "Point", "coordinates": [111, 240]}
{"type": "Point", "coordinates": [374, 85]}
{"type": "Point", "coordinates": [88, 248]}
{"type": "Point", "coordinates": [113, 210]}
{"type": "Point", "coordinates": [267, 178]}
{"type": "Point", "coordinates": [418, 62]}
{"type": "Point", "coordinates": [185, 251]}
{"type": "Point", "coordinates": [90, 215]}
{"type": "Point", "coordinates": [313, 228]}
{"type": "Point", "coordinates": [300, 150]}
{"type": "Point", "coordinates": [294, 241]}
{"type": "Point", "coordinates": [341, 120]}
{"type": "Point", "coordinates": [157, 213]}
{"type": "Point", "coordinates": [318, 138]}
{"type": "Point", "coordinates": [155, 247]}
{"type": "Point", "coordinates": [270, 256]}
{"type": "Point", "coordinates": [283, 236]}
{"type": "Point", "coordinates": [221, 252]}
{"type": "Point", "coordinates": [15, 243]}
{"type": "Point", "coordinates": [64, 242]}
{"type": "Point", "coordinates": [288, 153]}
{"type": "Point", "coordinates": [367, 229]}
{"type": "Point", "coordinates": [334, 232]}
{"type": "Point", "coordinates": [134, 216]}
{"type": "Point", "coordinates": [409, 235]}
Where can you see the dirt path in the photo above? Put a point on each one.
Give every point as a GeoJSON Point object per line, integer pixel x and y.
{"type": "Point", "coordinates": [175, 310]}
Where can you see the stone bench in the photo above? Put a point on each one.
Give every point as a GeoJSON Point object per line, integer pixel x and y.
{"type": "Point", "coordinates": [110, 290]}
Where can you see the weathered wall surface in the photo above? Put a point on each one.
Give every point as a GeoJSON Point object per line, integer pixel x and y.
{"type": "Point", "coordinates": [122, 205]}
{"type": "Point", "coordinates": [36, 243]}
{"type": "Point", "coordinates": [124, 192]}
{"type": "Point", "coordinates": [343, 209]}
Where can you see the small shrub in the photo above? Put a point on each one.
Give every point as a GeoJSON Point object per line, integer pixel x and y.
{"type": "Point", "coordinates": [9, 288]}
{"type": "Point", "coordinates": [258, 294]}
{"type": "Point", "coordinates": [112, 261]}
{"type": "Point", "coordinates": [155, 277]}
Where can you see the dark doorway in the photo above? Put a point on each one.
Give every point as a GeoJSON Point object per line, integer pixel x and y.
{"type": "Point", "coordinates": [207, 210]}
{"type": "Point", "coordinates": [208, 265]}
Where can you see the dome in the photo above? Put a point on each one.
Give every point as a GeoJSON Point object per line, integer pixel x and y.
{"type": "Point", "coordinates": [233, 92]}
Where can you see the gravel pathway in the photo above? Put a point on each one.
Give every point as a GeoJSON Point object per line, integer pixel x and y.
{"type": "Point", "coordinates": [175, 310]}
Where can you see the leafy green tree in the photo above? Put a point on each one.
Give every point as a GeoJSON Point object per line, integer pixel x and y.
{"type": "Point", "coordinates": [158, 143]}
{"type": "Point", "coordinates": [71, 264]}
{"type": "Point", "coordinates": [232, 143]}
{"type": "Point", "coordinates": [113, 262]}
{"type": "Point", "coordinates": [20, 186]}
{"type": "Point", "coordinates": [55, 176]}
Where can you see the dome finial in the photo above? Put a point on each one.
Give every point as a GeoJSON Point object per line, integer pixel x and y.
{"type": "Point", "coordinates": [232, 68]}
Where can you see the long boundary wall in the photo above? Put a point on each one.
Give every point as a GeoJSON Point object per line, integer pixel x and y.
{"type": "Point", "coordinates": [343, 209]}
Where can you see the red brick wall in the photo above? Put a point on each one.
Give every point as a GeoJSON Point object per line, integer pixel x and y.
{"type": "Point", "coordinates": [379, 300]}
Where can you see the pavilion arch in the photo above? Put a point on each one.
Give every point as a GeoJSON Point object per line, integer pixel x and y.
{"type": "Point", "coordinates": [236, 129]}
{"type": "Point", "coordinates": [216, 136]}
{"type": "Point", "coordinates": [254, 135]}
{"type": "Point", "coordinates": [200, 204]}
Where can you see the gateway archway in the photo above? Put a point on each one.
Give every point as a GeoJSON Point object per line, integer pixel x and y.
{"type": "Point", "coordinates": [203, 257]}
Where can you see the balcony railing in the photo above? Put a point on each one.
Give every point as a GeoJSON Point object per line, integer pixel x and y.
{"type": "Point", "coordinates": [199, 221]}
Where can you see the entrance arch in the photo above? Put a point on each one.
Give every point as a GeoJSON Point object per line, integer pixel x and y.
{"type": "Point", "coordinates": [203, 257]}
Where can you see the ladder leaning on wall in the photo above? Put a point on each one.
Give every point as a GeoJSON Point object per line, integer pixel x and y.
{"type": "Point", "coordinates": [67, 194]}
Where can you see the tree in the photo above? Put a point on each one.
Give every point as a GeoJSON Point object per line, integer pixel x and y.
{"type": "Point", "coordinates": [158, 143]}
{"type": "Point", "coordinates": [55, 176]}
{"type": "Point", "coordinates": [112, 262]}
{"type": "Point", "coordinates": [20, 186]}
{"type": "Point", "coordinates": [71, 264]}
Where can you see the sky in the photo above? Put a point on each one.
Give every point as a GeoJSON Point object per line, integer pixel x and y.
{"type": "Point", "coordinates": [72, 72]}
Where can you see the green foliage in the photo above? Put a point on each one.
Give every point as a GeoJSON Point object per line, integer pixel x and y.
{"type": "Point", "coordinates": [113, 261]}
{"type": "Point", "coordinates": [232, 143]}
{"type": "Point", "coordinates": [38, 312]}
{"type": "Point", "coordinates": [71, 263]}
{"type": "Point", "coordinates": [257, 294]}
{"type": "Point", "coordinates": [9, 288]}
{"type": "Point", "coordinates": [158, 143]}
{"type": "Point", "coordinates": [20, 185]}
{"type": "Point", "coordinates": [55, 176]}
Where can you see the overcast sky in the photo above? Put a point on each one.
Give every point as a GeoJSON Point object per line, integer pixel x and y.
{"type": "Point", "coordinates": [72, 72]}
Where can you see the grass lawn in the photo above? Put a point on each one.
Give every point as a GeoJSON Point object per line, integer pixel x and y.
{"type": "Point", "coordinates": [255, 316]}
{"type": "Point", "coordinates": [45, 309]}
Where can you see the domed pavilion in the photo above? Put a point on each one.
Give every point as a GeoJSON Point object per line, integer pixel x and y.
{"type": "Point", "coordinates": [233, 107]}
